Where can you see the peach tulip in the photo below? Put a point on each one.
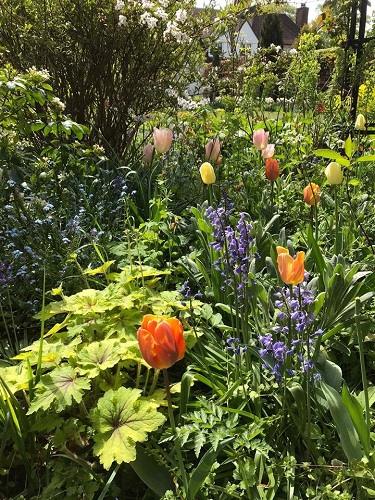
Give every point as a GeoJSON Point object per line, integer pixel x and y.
{"type": "Point", "coordinates": [162, 139]}
{"type": "Point", "coordinates": [268, 151]}
{"type": "Point", "coordinates": [292, 270]}
{"type": "Point", "coordinates": [148, 151]}
{"type": "Point", "coordinates": [212, 149]}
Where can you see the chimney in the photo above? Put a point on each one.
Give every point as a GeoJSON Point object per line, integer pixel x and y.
{"type": "Point", "coordinates": [302, 15]}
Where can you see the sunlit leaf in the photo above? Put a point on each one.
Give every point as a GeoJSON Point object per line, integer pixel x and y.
{"type": "Point", "coordinates": [98, 356]}
{"type": "Point", "coordinates": [332, 155]}
{"type": "Point", "coordinates": [122, 419]}
{"type": "Point", "coordinates": [61, 387]}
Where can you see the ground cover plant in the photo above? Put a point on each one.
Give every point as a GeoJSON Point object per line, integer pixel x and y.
{"type": "Point", "coordinates": [188, 311]}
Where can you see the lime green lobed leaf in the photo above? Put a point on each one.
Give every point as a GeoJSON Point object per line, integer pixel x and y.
{"type": "Point", "coordinates": [61, 387]}
{"type": "Point", "coordinates": [122, 419]}
{"type": "Point", "coordinates": [98, 356]}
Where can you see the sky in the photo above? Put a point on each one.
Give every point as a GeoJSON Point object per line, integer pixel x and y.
{"type": "Point", "coordinates": [311, 4]}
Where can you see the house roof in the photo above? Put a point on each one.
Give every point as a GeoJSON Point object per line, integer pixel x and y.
{"type": "Point", "coordinates": [289, 27]}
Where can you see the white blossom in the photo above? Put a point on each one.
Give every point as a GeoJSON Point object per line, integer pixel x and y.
{"type": "Point", "coordinates": [119, 5]}
{"type": "Point", "coordinates": [161, 14]}
{"type": "Point", "coordinates": [148, 19]}
{"type": "Point", "coordinates": [121, 20]}
{"type": "Point", "coordinates": [147, 5]}
{"type": "Point", "coordinates": [181, 16]}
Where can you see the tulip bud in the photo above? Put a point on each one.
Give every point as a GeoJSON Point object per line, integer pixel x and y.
{"type": "Point", "coordinates": [148, 151]}
{"type": "Point", "coordinates": [162, 139]}
{"type": "Point", "coordinates": [333, 173]}
{"type": "Point", "coordinates": [260, 138]}
{"type": "Point", "coordinates": [272, 169]}
{"type": "Point", "coordinates": [207, 173]}
{"type": "Point", "coordinates": [269, 151]}
{"type": "Point", "coordinates": [212, 149]}
{"type": "Point", "coordinates": [311, 194]}
{"type": "Point", "coordinates": [360, 123]}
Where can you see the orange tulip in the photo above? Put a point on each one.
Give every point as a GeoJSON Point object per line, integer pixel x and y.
{"type": "Point", "coordinates": [311, 194]}
{"type": "Point", "coordinates": [272, 169]}
{"type": "Point", "coordinates": [161, 341]}
{"type": "Point", "coordinates": [291, 270]}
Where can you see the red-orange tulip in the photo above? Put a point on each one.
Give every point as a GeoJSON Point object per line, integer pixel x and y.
{"type": "Point", "coordinates": [311, 194]}
{"type": "Point", "coordinates": [291, 270]}
{"type": "Point", "coordinates": [161, 341]}
{"type": "Point", "coordinates": [272, 169]}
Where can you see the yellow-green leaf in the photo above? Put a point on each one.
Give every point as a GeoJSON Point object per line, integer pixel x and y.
{"type": "Point", "coordinates": [121, 419]}
{"type": "Point", "coordinates": [332, 155]}
{"type": "Point", "coordinates": [100, 270]}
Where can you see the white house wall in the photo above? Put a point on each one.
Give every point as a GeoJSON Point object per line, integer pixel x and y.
{"type": "Point", "coordinates": [246, 41]}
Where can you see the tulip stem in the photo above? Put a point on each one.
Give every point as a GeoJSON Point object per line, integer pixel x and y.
{"type": "Point", "coordinates": [176, 438]}
{"type": "Point", "coordinates": [337, 247]}
{"type": "Point", "coordinates": [272, 195]}
{"type": "Point", "coordinates": [210, 195]}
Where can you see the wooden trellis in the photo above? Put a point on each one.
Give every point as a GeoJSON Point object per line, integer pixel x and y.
{"type": "Point", "coordinates": [357, 44]}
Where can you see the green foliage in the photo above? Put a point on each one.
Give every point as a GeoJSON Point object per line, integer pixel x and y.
{"type": "Point", "coordinates": [89, 388]}
{"type": "Point", "coordinates": [271, 31]}
{"type": "Point", "coordinates": [121, 420]}
{"type": "Point", "coordinates": [71, 39]}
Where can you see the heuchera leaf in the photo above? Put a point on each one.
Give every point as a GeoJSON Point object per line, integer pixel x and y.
{"type": "Point", "coordinates": [121, 419]}
{"type": "Point", "coordinates": [60, 387]}
{"type": "Point", "coordinates": [98, 356]}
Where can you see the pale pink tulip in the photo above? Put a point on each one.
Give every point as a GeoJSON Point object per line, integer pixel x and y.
{"type": "Point", "coordinates": [212, 149]}
{"type": "Point", "coordinates": [162, 139]}
{"type": "Point", "coordinates": [148, 151]}
{"type": "Point", "coordinates": [269, 151]}
{"type": "Point", "coordinates": [260, 138]}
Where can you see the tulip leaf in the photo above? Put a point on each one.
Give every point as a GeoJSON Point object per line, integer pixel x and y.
{"type": "Point", "coordinates": [121, 419]}
{"type": "Point", "coordinates": [332, 155]}
{"type": "Point", "coordinates": [344, 425]}
{"type": "Point", "coordinates": [356, 413]}
{"type": "Point", "coordinates": [154, 474]}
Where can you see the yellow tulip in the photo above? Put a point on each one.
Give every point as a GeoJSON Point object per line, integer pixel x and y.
{"type": "Point", "coordinates": [207, 173]}
{"type": "Point", "coordinates": [333, 173]}
{"type": "Point", "coordinates": [360, 123]}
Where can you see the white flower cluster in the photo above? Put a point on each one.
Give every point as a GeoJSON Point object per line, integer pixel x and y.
{"type": "Point", "coordinates": [57, 104]}
{"type": "Point", "coordinates": [293, 52]}
{"type": "Point", "coordinates": [181, 16]}
{"type": "Point", "coordinates": [161, 14]}
{"type": "Point", "coordinates": [277, 48]}
{"type": "Point", "coordinates": [149, 20]}
{"type": "Point", "coordinates": [119, 5]}
{"type": "Point", "coordinates": [147, 5]}
{"type": "Point", "coordinates": [172, 30]}
{"type": "Point", "coordinates": [185, 102]}
{"type": "Point", "coordinates": [41, 74]}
